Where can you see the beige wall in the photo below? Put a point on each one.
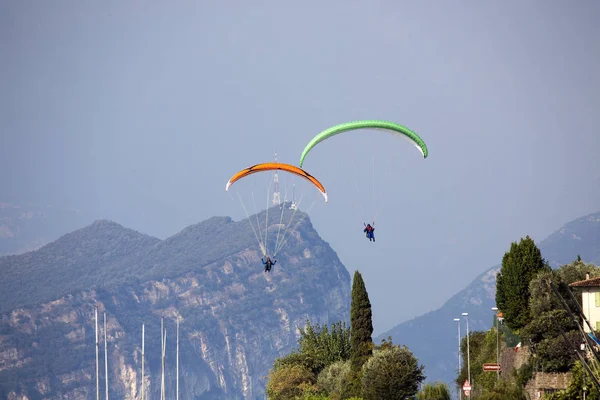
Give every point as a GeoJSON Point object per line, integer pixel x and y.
{"type": "Point", "coordinates": [591, 311]}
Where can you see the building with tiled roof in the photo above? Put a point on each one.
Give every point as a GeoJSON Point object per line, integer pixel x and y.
{"type": "Point", "coordinates": [590, 300]}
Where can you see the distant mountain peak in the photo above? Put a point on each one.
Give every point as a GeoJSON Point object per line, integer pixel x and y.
{"type": "Point", "coordinates": [104, 230]}
{"type": "Point", "coordinates": [105, 223]}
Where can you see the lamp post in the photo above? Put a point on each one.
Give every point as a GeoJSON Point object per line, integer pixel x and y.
{"type": "Point", "coordinates": [465, 314]}
{"type": "Point", "coordinates": [457, 320]}
{"type": "Point", "coordinates": [495, 309]}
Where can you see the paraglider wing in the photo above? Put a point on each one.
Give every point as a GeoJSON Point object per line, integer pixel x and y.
{"type": "Point", "coordinates": [277, 166]}
{"type": "Point", "coordinates": [367, 124]}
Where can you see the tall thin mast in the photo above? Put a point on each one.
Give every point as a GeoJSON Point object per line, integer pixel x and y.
{"type": "Point", "coordinates": [143, 362]}
{"type": "Point", "coordinates": [162, 358]}
{"type": "Point", "coordinates": [163, 367]}
{"type": "Point", "coordinates": [177, 390]}
{"type": "Point", "coordinates": [97, 364]}
{"type": "Point", "coordinates": [105, 358]}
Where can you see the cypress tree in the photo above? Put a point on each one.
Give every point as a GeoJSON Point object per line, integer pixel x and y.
{"type": "Point", "coordinates": [361, 322]}
{"type": "Point", "coordinates": [519, 266]}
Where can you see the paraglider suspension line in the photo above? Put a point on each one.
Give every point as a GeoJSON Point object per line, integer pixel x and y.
{"type": "Point", "coordinates": [262, 248]}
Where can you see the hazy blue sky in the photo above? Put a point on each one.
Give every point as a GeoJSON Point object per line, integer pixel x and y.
{"type": "Point", "coordinates": [139, 111]}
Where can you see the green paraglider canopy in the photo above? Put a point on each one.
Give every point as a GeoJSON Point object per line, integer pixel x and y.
{"type": "Point", "coordinates": [390, 127]}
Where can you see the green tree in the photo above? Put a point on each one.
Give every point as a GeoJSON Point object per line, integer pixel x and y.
{"type": "Point", "coordinates": [483, 350]}
{"type": "Point", "coordinates": [434, 391]}
{"type": "Point", "coordinates": [289, 381]}
{"type": "Point", "coordinates": [325, 346]}
{"type": "Point", "coordinates": [361, 341]}
{"type": "Point", "coordinates": [476, 347]}
{"type": "Point", "coordinates": [391, 374]}
{"type": "Point", "coordinates": [295, 358]}
{"type": "Point", "coordinates": [504, 390]}
{"type": "Point", "coordinates": [519, 266]}
{"type": "Point", "coordinates": [334, 380]}
{"type": "Point", "coordinates": [361, 324]}
{"type": "Point", "coordinates": [319, 347]}
{"type": "Point", "coordinates": [549, 317]}
{"type": "Point", "coordinates": [541, 333]}
{"type": "Point", "coordinates": [310, 396]}
{"type": "Point", "coordinates": [574, 391]}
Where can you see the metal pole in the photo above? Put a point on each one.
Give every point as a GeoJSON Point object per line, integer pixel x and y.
{"type": "Point", "coordinates": [495, 309]}
{"type": "Point", "coordinates": [97, 364]}
{"type": "Point", "coordinates": [105, 359]}
{"type": "Point", "coordinates": [497, 351]}
{"type": "Point", "coordinates": [458, 324]}
{"type": "Point", "coordinates": [162, 355]}
{"type": "Point", "coordinates": [177, 390]}
{"type": "Point", "coordinates": [459, 357]}
{"type": "Point", "coordinates": [164, 394]}
{"type": "Point", "coordinates": [468, 351]}
{"type": "Point", "coordinates": [143, 362]}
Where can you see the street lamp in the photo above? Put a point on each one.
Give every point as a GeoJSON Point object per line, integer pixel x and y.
{"type": "Point", "coordinates": [457, 320]}
{"type": "Point", "coordinates": [466, 314]}
{"type": "Point", "coordinates": [495, 309]}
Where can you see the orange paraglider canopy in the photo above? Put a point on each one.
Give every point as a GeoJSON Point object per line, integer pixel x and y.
{"type": "Point", "coordinates": [270, 166]}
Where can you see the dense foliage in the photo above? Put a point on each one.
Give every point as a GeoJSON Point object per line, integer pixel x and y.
{"type": "Point", "coordinates": [362, 329]}
{"type": "Point", "coordinates": [323, 366]}
{"type": "Point", "coordinates": [519, 266]}
{"type": "Point", "coordinates": [362, 323]}
{"type": "Point", "coordinates": [575, 391]}
{"type": "Point", "coordinates": [532, 298]}
{"type": "Point", "coordinates": [391, 374]}
{"type": "Point", "coordinates": [323, 355]}
{"type": "Point", "coordinates": [319, 347]}
{"type": "Point", "coordinates": [436, 348]}
{"type": "Point", "coordinates": [546, 316]}
{"type": "Point", "coordinates": [290, 381]}
{"type": "Point", "coordinates": [434, 391]}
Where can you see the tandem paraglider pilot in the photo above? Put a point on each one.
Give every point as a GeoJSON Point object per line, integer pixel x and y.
{"type": "Point", "coordinates": [268, 263]}
{"type": "Point", "coordinates": [370, 232]}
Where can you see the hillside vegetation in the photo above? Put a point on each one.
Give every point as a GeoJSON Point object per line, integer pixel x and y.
{"type": "Point", "coordinates": [344, 363]}
{"type": "Point", "coordinates": [540, 311]}
{"type": "Point", "coordinates": [537, 310]}
{"type": "Point", "coordinates": [436, 348]}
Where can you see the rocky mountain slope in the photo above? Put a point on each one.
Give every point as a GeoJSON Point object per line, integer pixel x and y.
{"type": "Point", "coordinates": [433, 336]}
{"type": "Point", "coordinates": [235, 319]}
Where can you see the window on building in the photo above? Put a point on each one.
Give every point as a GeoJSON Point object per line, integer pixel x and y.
{"type": "Point", "coordinates": [597, 326]}
{"type": "Point", "coordinates": [597, 297]}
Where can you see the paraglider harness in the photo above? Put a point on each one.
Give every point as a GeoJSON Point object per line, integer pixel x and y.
{"type": "Point", "coordinates": [268, 263]}
{"type": "Point", "coordinates": [369, 230]}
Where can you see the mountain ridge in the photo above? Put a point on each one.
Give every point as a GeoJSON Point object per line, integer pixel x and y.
{"type": "Point", "coordinates": [141, 262]}
{"type": "Point", "coordinates": [235, 318]}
